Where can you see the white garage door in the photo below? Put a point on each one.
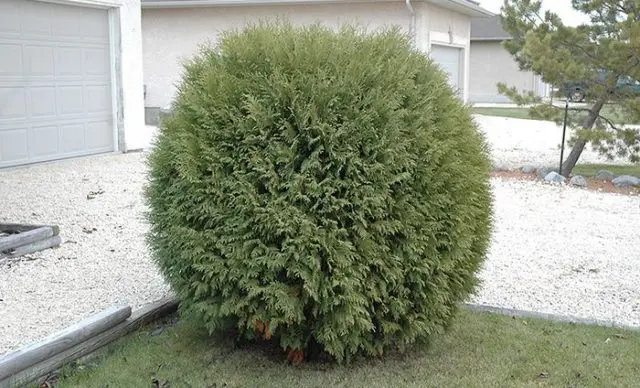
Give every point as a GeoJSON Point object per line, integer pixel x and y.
{"type": "Point", "coordinates": [55, 82]}
{"type": "Point", "coordinates": [450, 60]}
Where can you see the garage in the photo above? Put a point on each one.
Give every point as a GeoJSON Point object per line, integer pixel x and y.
{"type": "Point", "coordinates": [451, 61]}
{"type": "Point", "coordinates": [55, 82]}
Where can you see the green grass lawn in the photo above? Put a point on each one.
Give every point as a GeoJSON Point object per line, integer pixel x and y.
{"type": "Point", "coordinates": [516, 113]}
{"type": "Point", "coordinates": [608, 111]}
{"type": "Point", "coordinates": [590, 170]}
{"type": "Point", "coordinates": [481, 350]}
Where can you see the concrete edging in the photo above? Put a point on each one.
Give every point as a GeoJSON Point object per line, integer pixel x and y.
{"type": "Point", "coordinates": [547, 316]}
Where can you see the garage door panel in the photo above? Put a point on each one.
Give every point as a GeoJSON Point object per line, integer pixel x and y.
{"type": "Point", "coordinates": [9, 24]}
{"type": "Point", "coordinates": [96, 61]}
{"type": "Point", "coordinates": [97, 98]}
{"type": "Point", "coordinates": [14, 145]}
{"type": "Point", "coordinates": [38, 60]}
{"type": "Point", "coordinates": [70, 100]}
{"type": "Point", "coordinates": [94, 27]}
{"type": "Point", "coordinates": [11, 63]}
{"type": "Point", "coordinates": [72, 137]}
{"type": "Point", "coordinates": [69, 61]}
{"type": "Point", "coordinates": [55, 82]}
{"type": "Point", "coordinates": [449, 59]}
{"type": "Point", "coordinates": [97, 136]}
{"type": "Point", "coordinates": [43, 141]}
{"type": "Point", "coordinates": [35, 19]}
{"type": "Point", "coordinates": [43, 102]}
{"type": "Point", "coordinates": [61, 26]}
{"type": "Point", "coordinates": [13, 103]}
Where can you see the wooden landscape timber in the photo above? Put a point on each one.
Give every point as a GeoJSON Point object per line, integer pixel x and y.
{"type": "Point", "coordinates": [18, 239]}
{"type": "Point", "coordinates": [81, 340]}
{"type": "Point", "coordinates": [71, 336]}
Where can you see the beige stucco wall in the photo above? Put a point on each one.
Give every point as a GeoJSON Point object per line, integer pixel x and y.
{"type": "Point", "coordinates": [490, 64]}
{"type": "Point", "coordinates": [170, 35]}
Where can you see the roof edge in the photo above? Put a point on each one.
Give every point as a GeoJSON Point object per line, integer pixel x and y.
{"type": "Point", "coordinates": [467, 7]}
{"type": "Point", "coordinates": [491, 39]}
{"type": "Point", "coordinates": [238, 3]}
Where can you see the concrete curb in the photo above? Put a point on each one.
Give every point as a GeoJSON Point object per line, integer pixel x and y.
{"type": "Point", "coordinates": [547, 316]}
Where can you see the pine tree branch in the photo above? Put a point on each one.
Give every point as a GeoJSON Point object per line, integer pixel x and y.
{"type": "Point", "coordinates": [600, 116]}
{"type": "Point", "coordinates": [611, 124]}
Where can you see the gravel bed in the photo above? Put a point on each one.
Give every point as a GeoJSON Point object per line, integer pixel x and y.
{"type": "Point", "coordinates": [555, 249]}
{"type": "Point", "coordinates": [50, 290]}
{"type": "Point", "coordinates": [564, 250]}
{"type": "Point", "coordinates": [517, 142]}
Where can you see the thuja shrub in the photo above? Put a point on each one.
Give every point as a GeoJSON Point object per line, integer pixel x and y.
{"type": "Point", "coordinates": [319, 187]}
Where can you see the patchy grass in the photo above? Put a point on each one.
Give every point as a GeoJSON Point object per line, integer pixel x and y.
{"type": "Point", "coordinates": [590, 170]}
{"type": "Point", "coordinates": [480, 350]}
{"type": "Point", "coordinates": [608, 111]}
{"type": "Point", "coordinates": [515, 113]}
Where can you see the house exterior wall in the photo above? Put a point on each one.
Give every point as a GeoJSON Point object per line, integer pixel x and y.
{"type": "Point", "coordinates": [127, 80]}
{"type": "Point", "coordinates": [171, 35]}
{"type": "Point", "coordinates": [491, 64]}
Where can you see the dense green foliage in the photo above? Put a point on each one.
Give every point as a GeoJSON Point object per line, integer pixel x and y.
{"type": "Point", "coordinates": [601, 55]}
{"type": "Point", "coordinates": [329, 185]}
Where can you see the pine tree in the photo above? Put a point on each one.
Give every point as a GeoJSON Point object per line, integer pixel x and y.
{"type": "Point", "coordinates": [604, 55]}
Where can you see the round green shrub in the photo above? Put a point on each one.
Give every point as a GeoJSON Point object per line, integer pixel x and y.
{"type": "Point", "coordinates": [329, 186]}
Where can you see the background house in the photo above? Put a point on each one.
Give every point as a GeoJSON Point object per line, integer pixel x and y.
{"type": "Point", "coordinates": [70, 79]}
{"type": "Point", "coordinates": [490, 64]}
{"type": "Point", "coordinates": [173, 30]}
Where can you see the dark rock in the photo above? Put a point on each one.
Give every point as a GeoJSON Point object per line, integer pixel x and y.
{"type": "Point", "coordinates": [542, 172]}
{"type": "Point", "coordinates": [604, 175]}
{"type": "Point", "coordinates": [554, 177]}
{"type": "Point", "coordinates": [579, 181]}
{"type": "Point", "coordinates": [626, 181]}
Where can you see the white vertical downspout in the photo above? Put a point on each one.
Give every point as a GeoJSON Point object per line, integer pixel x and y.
{"type": "Point", "coordinates": [412, 23]}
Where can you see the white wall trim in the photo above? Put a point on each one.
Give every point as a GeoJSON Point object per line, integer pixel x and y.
{"type": "Point", "coordinates": [114, 55]}
{"type": "Point", "coordinates": [442, 38]}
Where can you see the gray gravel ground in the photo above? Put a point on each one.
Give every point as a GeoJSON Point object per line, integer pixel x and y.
{"type": "Point", "coordinates": [517, 142]}
{"type": "Point", "coordinates": [564, 250]}
{"type": "Point", "coordinates": [49, 290]}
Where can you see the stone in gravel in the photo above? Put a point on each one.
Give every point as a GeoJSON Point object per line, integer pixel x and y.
{"type": "Point", "coordinates": [500, 168]}
{"type": "Point", "coordinates": [88, 230]}
{"type": "Point", "coordinates": [605, 175]}
{"type": "Point", "coordinates": [626, 181]}
{"type": "Point", "coordinates": [554, 177]}
{"type": "Point", "coordinates": [93, 194]}
{"type": "Point", "coordinates": [579, 181]}
{"type": "Point", "coordinates": [542, 172]}
{"type": "Point", "coordinates": [528, 169]}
